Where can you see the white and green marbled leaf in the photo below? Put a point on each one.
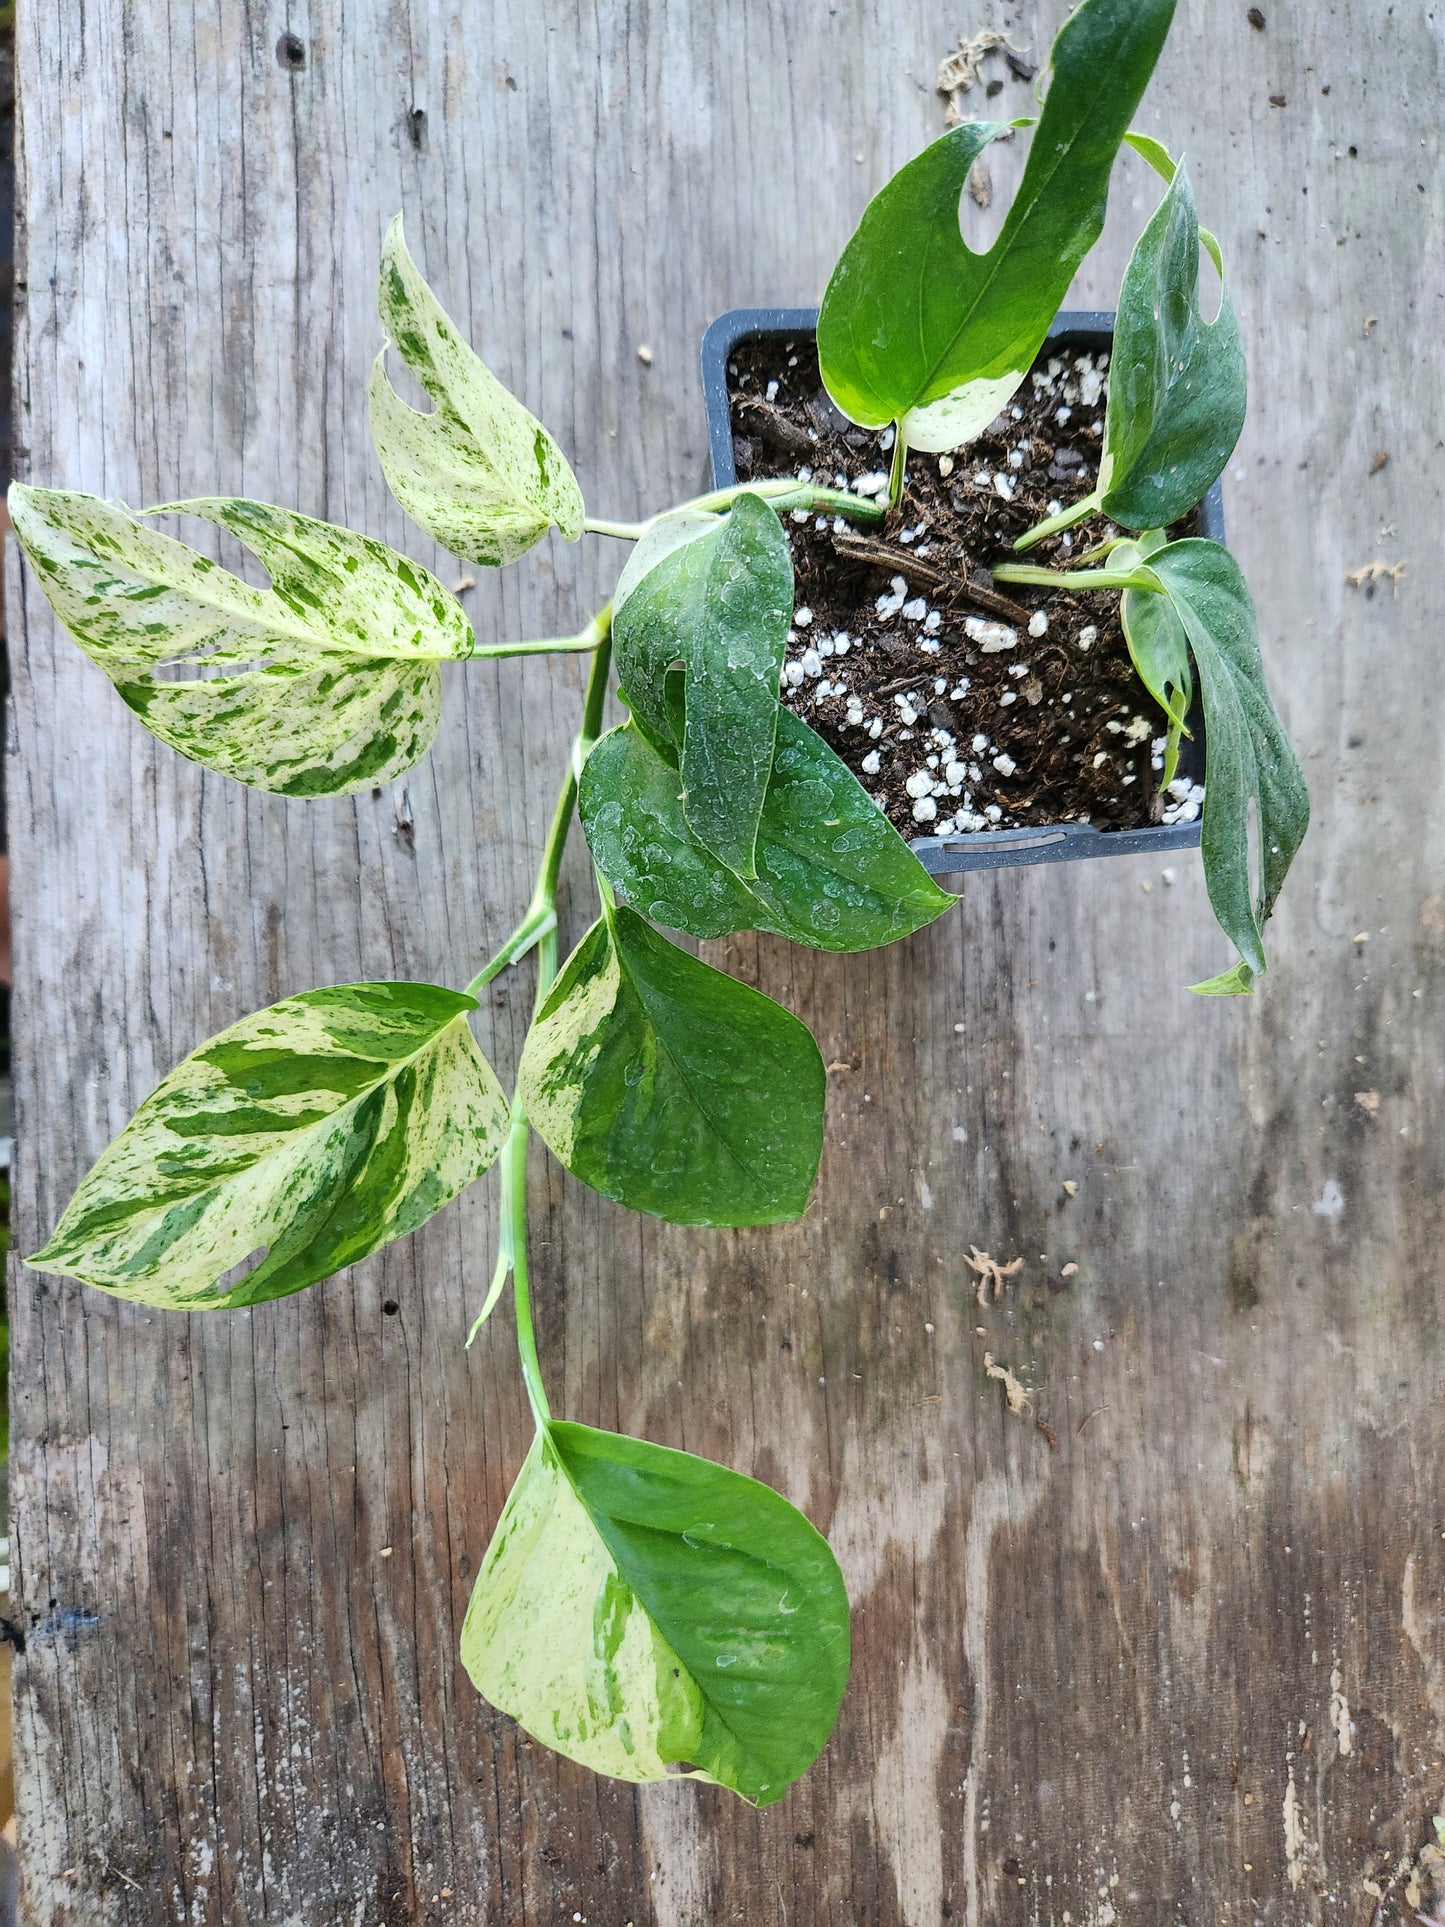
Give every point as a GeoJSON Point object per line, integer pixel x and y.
{"type": "Point", "coordinates": [649, 1613]}
{"type": "Point", "coordinates": [323, 683]}
{"type": "Point", "coordinates": [311, 1133]}
{"type": "Point", "coordinates": [478, 472]}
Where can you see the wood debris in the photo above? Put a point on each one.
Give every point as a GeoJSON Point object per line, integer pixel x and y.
{"type": "Point", "coordinates": [1018, 1399]}
{"type": "Point", "coordinates": [958, 71]}
{"type": "Point", "coordinates": [990, 1272]}
{"type": "Point", "coordinates": [1382, 460]}
{"type": "Point", "coordinates": [1369, 1102]}
{"type": "Point", "coordinates": [467, 582]}
{"type": "Point", "coordinates": [1071, 1187]}
{"type": "Point", "coordinates": [1369, 573]}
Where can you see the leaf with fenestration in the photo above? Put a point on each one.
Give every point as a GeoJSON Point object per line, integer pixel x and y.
{"type": "Point", "coordinates": [324, 683]}
{"type": "Point", "coordinates": [1177, 383]}
{"type": "Point", "coordinates": [717, 603]}
{"type": "Point", "coordinates": [672, 1088]}
{"type": "Point", "coordinates": [832, 870]}
{"type": "Point", "coordinates": [1251, 768]}
{"type": "Point", "coordinates": [302, 1138]}
{"type": "Point", "coordinates": [915, 326]}
{"type": "Point", "coordinates": [648, 1613]}
{"type": "Point", "coordinates": [478, 472]}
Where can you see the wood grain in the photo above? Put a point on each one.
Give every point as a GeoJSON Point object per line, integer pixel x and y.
{"type": "Point", "coordinates": [1180, 1660]}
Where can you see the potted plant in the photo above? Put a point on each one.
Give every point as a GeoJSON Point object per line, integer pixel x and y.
{"type": "Point", "coordinates": [639, 1609]}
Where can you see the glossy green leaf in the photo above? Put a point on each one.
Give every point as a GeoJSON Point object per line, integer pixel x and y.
{"type": "Point", "coordinates": [832, 870]}
{"type": "Point", "coordinates": [1177, 384]}
{"type": "Point", "coordinates": [479, 473]}
{"type": "Point", "coordinates": [671, 1087]}
{"type": "Point", "coordinates": [915, 326]}
{"type": "Point", "coordinates": [1155, 635]}
{"type": "Point", "coordinates": [717, 604]}
{"type": "Point", "coordinates": [1251, 768]}
{"type": "Point", "coordinates": [311, 1134]}
{"type": "Point", "coordinates": [648, 1613]}
{"type": "Point", "coordinates": [324, 683]}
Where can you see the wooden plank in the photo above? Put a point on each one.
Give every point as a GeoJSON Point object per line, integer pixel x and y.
{"type": "Point", "coordinates": [1188, 1662]}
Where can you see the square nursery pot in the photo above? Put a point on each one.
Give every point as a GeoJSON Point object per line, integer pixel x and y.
{"type": "Point", "coordinates": [1089, 330]}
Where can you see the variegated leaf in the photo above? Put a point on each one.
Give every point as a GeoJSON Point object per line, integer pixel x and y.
{"type": "Point", "coordinates": [306, 1136]}
{"type": "Point", "coordinates": [671, 1087]}
{"type": "Point", "coordinates": [649, 1613]}
{"type": "Point", "coordinates": [479, 473]}
{"type": "Point", "coordinates": [324, 683]}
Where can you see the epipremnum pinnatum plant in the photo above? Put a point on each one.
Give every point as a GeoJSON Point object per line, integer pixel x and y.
{"type": "Point", "coordinates": [639, 1609]}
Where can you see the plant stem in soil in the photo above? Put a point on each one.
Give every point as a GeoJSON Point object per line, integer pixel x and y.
{"type": "Point", "coordinates": [1054, 524]}
{"type": "Point", "coordinates": [1077, 578]}
{"type": "Point", "coordinates": [898, 467]}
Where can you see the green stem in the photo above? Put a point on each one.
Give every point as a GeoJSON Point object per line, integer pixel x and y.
{"type": "Point", "coordinates": [592, 637]}
{"type": "Point", "coordinates": [1065, 519]}
{"type": "Point", "coordinates": [528, 933]}
{"type": "Point", "coordinates": [539, 928]}
{"type": "Point", "coordinates": [1078, 578]}
{"type": "Point", "coordinates": [783, 492]}
{"type": "Point", "coordinates": [898, 466]}
{"type": "Point", "coordinates": [624, 531]}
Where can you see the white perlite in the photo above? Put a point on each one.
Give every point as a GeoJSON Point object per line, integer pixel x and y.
{"type": "Point", "coordinates": [924, 810]}
{"type": "Point", "coordinates": [991, 637]}
{"type": "Point", "coordinates": [1039, 623]}
{"type": "Point", "coordinates": [872, 763]}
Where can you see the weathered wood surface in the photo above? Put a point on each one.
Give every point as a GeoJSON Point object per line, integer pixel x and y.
{"type": "Point", "coordinates": [1185, 1664]}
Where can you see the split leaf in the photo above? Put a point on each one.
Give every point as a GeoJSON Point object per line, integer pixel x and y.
{"type": "Point", "coordinates": [1177, 383]}
{"type": "Point", "coordinates": [832, 870]}
{"type": "Point", "coordinates": [648, 1613]}
{"type": "Point", "coordinates": [479, 473]}
{"type": "Point", "coordinates": [672, 1088]}
{"type": "Point", "coordinates": [326, 682]}
{"type": "Point", "coordinates": [915, 326]}
{"type": "Point", "coordinates": [717, 604]}
{"type": "Point", "coordinates": [306, 1136]}
{"type": "Point", "coordinates": [1251, 768]}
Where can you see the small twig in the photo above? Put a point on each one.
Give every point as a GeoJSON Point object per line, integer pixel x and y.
{"type": "Point", "coordinates": [1087, 1416]}
{"type": "Point", "coordinates": [860, 548]}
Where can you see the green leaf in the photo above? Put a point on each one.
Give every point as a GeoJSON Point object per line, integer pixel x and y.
{"type": "Point", "coordinates": [479, 473]}
{"type": "Point", "coordinates": [917, 327]}
{"type": "Point", "coordinates": [1251, 767]}
{"type": "Point", "coordinates": [832, 870]}
{"type": "Point", "coordinates": [1155, 635]}
{"type": "Point", "coordinates": [324, 683]}
{"type": "Point", "coordinates": [1235, 982]}
{"type": "Point", "coordinates": [1177, 384]}
{"type": "Point", "coordinates": [718, 603]}
{"type": "Point", "coordinates": [312, 1133]}
{"type": "Point", "coordinates": [647, 1613]}
{"type": "Point", "coordinates": [672, 1088]}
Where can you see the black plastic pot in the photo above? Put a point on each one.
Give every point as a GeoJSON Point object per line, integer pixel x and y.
{"type": "Point", "coordinates": [1082, 329]}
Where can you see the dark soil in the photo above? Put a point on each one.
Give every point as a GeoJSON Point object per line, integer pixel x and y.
{"type": "Point", "coordinates": [1084, 736]}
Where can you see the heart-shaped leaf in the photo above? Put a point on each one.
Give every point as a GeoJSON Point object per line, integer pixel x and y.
{"type": "Point", "coordinates": [1177, 384]}
{"type": "Point", "coordinates": [479, 473]}
{"type": "Point", "coordinates": [832, 870]}
{"type": "Point", "coordinates": [717, 604]}
{"type": "Point", "coordinates": [1251, 767]}
{"type": "Point", "coordinates": [324, 683]}
{"type": "Point", "coordinates": [311, 1134]}
{"type": "Point", "coordinates": [671, 1087]}
{"type": "Point", "coordinates": [917, 327]}
{"type": "Point", "coordinates": [649, 1613]}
